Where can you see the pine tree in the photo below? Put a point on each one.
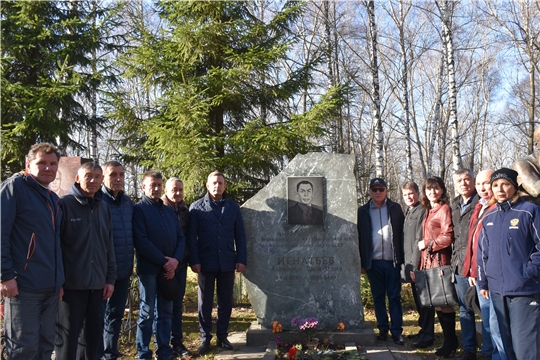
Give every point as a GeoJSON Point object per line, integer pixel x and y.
{"type": "Point", "coordinates": [47, 73]}
{"type": "Point", "coordinates": [226, 101]}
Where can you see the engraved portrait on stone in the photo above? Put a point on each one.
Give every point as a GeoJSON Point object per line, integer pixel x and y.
{"type": "Point", "coordinates": [305, 200]}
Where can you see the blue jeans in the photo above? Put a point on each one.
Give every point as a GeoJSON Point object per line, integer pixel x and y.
{"type": "Point", "coordinates": [466, 316]}
{"type": "Point", "coordinates": [385, 280]}
{"type": "Point", "coordinates": [113, 310]}
{"type": "Point", "coordinates": [30, 324]}
{"type": "Point", "coordinates": [519, 323]}
{"type": "Point", "coordinates": [488, 347]}
{"type": "Point", "coordinates": [176, 335]}
{"type": "Point", "coordinates": [496, 332]}
{"type": "Point", "coordinates": [151, 301]}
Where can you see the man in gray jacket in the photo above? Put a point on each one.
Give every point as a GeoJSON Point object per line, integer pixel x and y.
{"type": "Point", "coordinates": [32, 271]}
{"type": "Point", "coordinates": [86, 236]}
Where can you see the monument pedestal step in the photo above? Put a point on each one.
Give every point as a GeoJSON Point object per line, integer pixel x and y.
{"type": "Point", "coordinates": [258, 336]}
{"type": "Point", "coordinates": [380, 350]}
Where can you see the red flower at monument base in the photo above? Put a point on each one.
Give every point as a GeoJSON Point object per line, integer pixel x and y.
{"type": "Point", "coordinates": [292, 353]}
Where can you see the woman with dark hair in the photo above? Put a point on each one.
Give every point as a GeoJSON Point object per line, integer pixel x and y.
{"type": "Point", "coordinates": [437, 239]}
{"type": "Point", "coordinates": [509, 266]}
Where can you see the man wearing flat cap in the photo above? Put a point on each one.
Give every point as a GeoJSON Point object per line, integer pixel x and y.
{"type": "Point", "coordinates": [380, 238]}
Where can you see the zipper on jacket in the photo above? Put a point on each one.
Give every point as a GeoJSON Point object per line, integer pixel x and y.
{"type": "Point", "coordinates": [31, 249]}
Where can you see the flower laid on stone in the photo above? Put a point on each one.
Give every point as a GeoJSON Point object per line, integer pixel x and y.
{"type": "Point", "coordinates": [341, 326]}
{"type": "Point", "coordinates": [277, 327]}
{"type": "Point", "coordinates": [307, 325]}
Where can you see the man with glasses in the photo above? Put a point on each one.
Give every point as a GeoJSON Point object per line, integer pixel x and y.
{"type": "Point", "coordinates": [380, 238]}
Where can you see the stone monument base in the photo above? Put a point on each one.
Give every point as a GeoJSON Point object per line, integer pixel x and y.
{"type": "Point", "coordinates": [259, 336]}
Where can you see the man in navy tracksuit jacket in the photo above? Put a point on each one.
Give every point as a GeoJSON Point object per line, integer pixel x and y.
{"type": "Point", "coordinates": [509, 266]}
{"type": "Point", "coordinates": [159, 244]}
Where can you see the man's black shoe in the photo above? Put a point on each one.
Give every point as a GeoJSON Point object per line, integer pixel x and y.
{"type": "Point", "coordinates": [204, 347]}
{"type": "Point", "coordinates": [421, 344]}
{"type": "Point", "coordinates": [398, 339]}
{"type": "Point", "coordinates": [467, 355]}
{"type": "Point", "coordinates": [382, 336]}
{"type": "Point", "coordinates": [412, 336]}
{"type": "Point", "coordinates": [180, 350]}
{"type": "Point", "coordinates": [224, 344]}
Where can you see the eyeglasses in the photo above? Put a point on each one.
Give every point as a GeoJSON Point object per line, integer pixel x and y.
{"type": "Point", "coordinates": [378, 189]}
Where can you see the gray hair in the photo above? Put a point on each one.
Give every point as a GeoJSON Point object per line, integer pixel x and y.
{"type": "Point", "coordinates": [173, 179]}
{"type": "Point", "coordinates": [462, 171]}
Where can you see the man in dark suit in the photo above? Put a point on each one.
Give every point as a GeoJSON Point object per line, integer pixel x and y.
{"type": "Point", "coordinates": [304, 212]}
{"type": "Point", "coordinates": [217, 246]}
{"type": "Point", "coordinates": [412, 233]}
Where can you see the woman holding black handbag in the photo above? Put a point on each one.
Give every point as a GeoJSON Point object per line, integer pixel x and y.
{"type": "Point", "coordinates": [436, 247]}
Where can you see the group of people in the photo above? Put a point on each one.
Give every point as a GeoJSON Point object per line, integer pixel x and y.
{"type": "Point", "coordinates": [67, 262]}
{"type": "Point", "coordinates": [490, 238]}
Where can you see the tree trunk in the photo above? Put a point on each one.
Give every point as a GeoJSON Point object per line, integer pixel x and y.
{"type": "Point", "coordinates": [405, 88]}
{"type": "Point", "coordinates": [375, 97]}
{"type": "Point", "coordinates": [446, 10]}
{"type": "Point", "coordinates": [532, 103]}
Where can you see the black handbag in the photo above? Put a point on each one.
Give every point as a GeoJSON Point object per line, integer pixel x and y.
{"type": "Point", "coordinates": [435, 286]}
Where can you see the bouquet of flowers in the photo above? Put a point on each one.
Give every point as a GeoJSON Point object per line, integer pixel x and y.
{"type": "Point", "coordinates": [307, 325]}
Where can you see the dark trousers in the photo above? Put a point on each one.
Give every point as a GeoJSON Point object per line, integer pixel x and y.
{"type": "Point", "coordinates": [178, 305]}
{"type": "Point", "coordinates": [519, 324]}
{"type": "Point", "coordinates": [79, 308]}
{"type": "Point", "coordinates": [426, 319]}
{"type": "Point", "coordinates": [225, 285]}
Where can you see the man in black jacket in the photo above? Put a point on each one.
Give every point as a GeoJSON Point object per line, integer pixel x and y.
{"type": "Point", "coordinates": [462, 209]}
{"type": "Point", "coordinates": [412, 234]}
{"type": "Point", "coordinates": [380, 235]}
{"type": "Point", "coordinates": [86, 238]}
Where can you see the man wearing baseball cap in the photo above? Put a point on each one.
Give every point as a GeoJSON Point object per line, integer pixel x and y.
{"type": "Point", "coordinates": [380, 238]}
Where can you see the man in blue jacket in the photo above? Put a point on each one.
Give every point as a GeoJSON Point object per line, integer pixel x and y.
{"type": "Point", "coordinates": [217, 245]}
{"type": "Point", "coordinates": [32, 271]}
{"type": "Point", "coordinates": [174, 198]}
{"type": "Point", "coordinates": [122, 214]}
{"type": "Point", "coordinates": [380, 237]}
{"type": "Point", "coordinates": [160, 247]}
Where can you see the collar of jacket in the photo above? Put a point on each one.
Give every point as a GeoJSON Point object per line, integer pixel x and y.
{"type": "Point", "coordinates": [166, 202]}
{"type": "Point", "coordinates": [149, 201]}
{"type": "Point", "coordinates": [108, 192]}
{"type": "Point", "coordinates": [508, 205]}
{"type": "Point", "coordinates": [30, 180]}
{"type": "Point", "coordinates": [457, 199]}
{"type": "Point", "coordinates": [207, 198]}
{"type": "Point", "coordinates": [75, 191]}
